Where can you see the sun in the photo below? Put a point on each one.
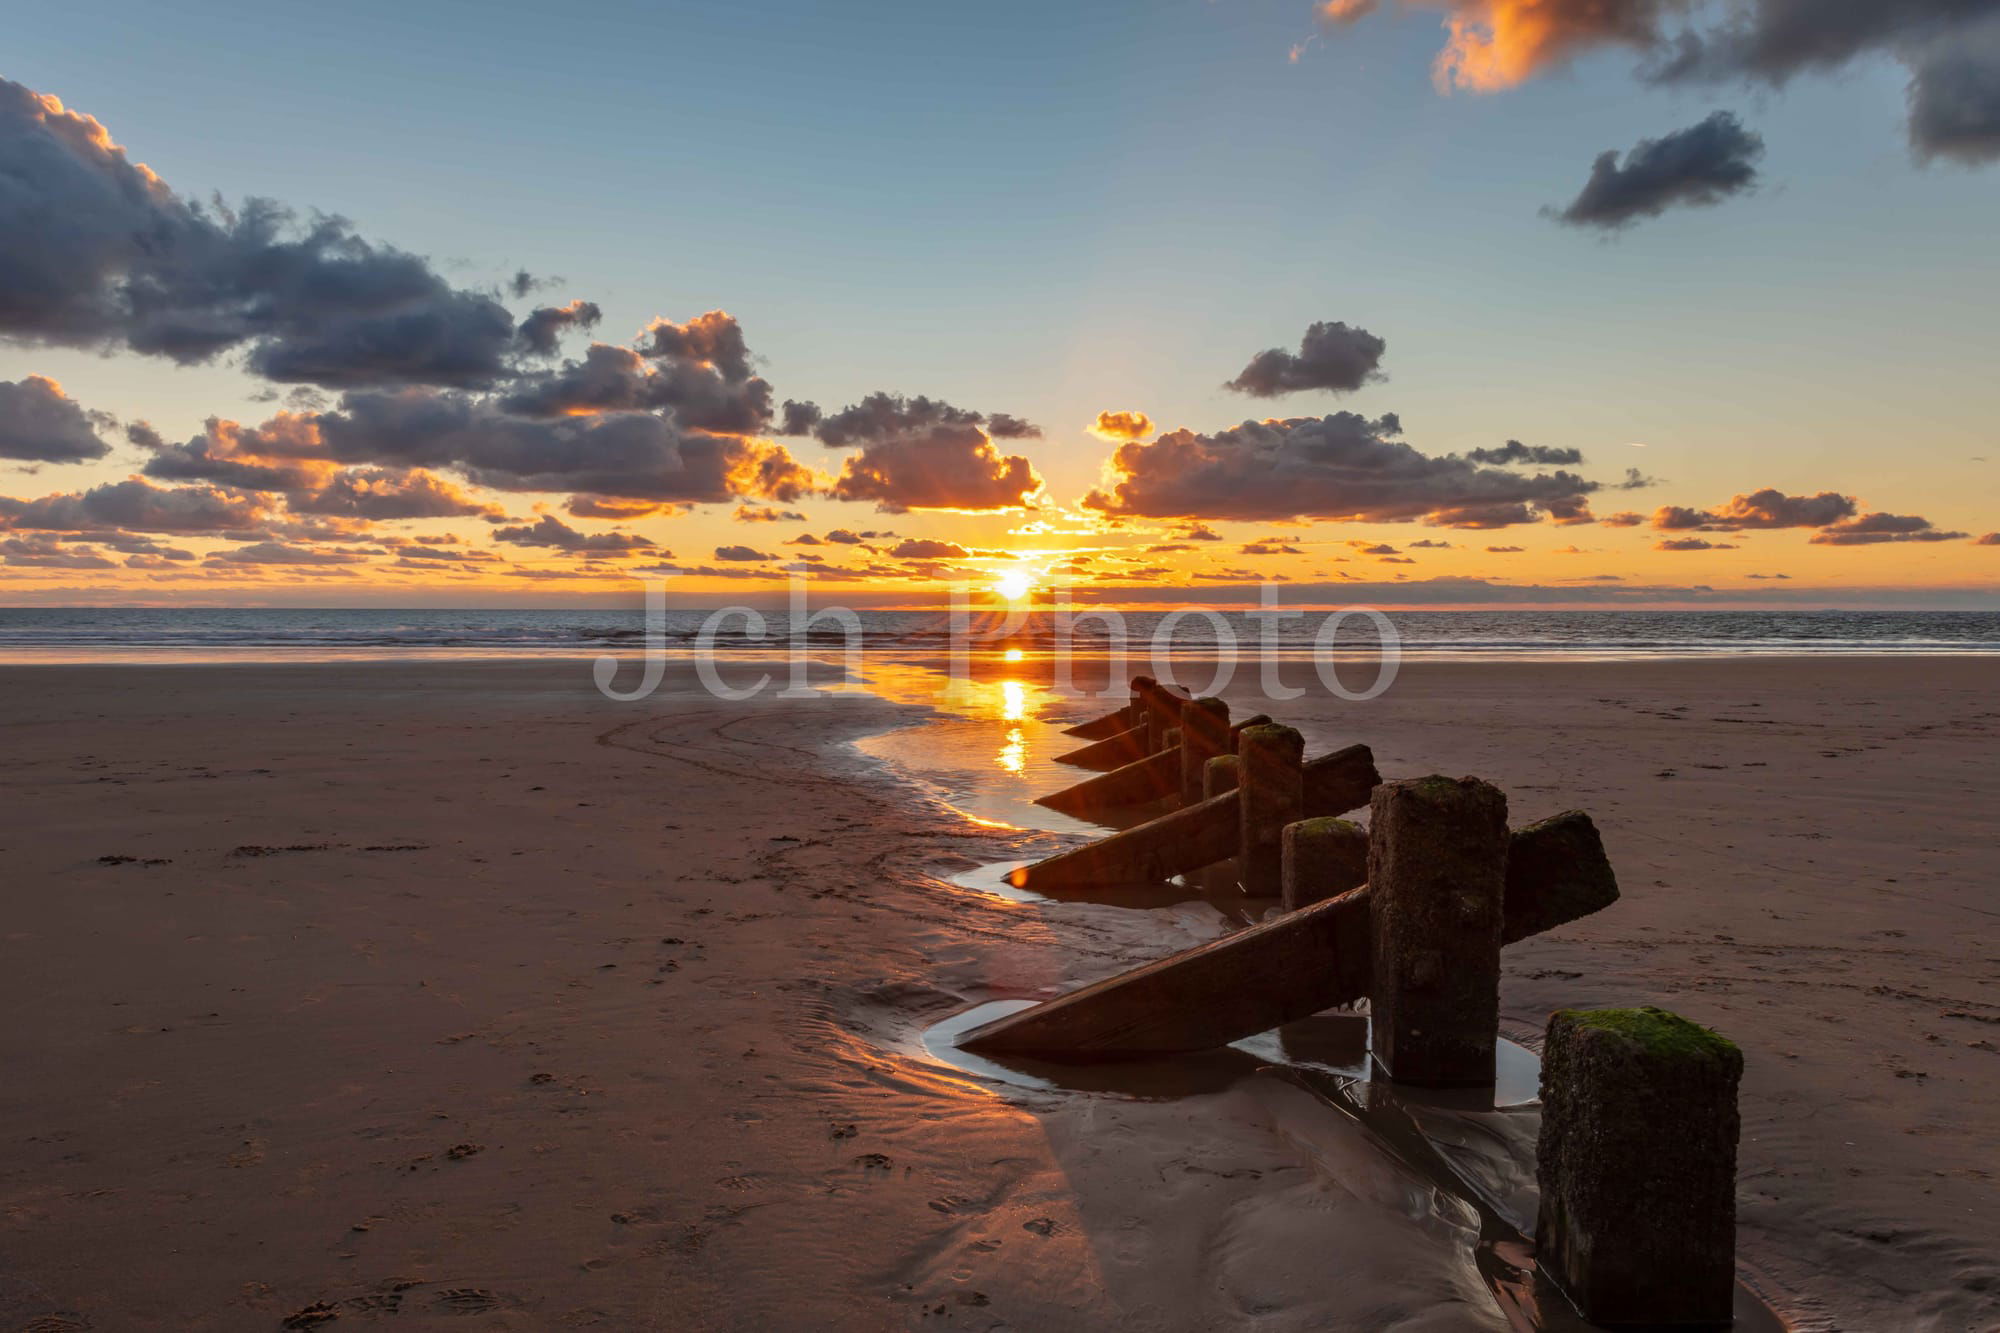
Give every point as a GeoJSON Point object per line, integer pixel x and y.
{"type": "Point", "coordinates": [1014, 584]}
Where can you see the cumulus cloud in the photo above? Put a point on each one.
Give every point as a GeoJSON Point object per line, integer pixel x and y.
{"type": "Point", "coordinates": [631, 455]}
{"type": "Point", "coordinates": [673, 375]}
{"type": "Point", "coordinates": [1691, 544]}
{"type": "Point", "coordinates": [552, 532]}
{"type": "Point", "coordinates": [542, 330]}
{"type": "Point", "coordinates": [1343, 466]}
{"type": "Point", "coordinates": [764, 514]}
{"type": "Point", "coordinates": [1514, 452]}
{"type": "Point", "coordinates": [98, 251]}
{"type": "Point", "coordinates": [743, 553]}
{"type": "Point", "coordinates": [1766, 508]}
{"type": "Point", "coordinates": [1954, 95]}
{"type": "Point", "coordinates": [281, 553]}
{"type": "Point", "coordinates": [921, 453]}
{"type": "Point", "coordinates": [924, 548]}
{"type": "Point", "coordinates": [1332, 356]}
{"type": "Point", "coordinates": [136, 505]}
{"type": "Point", "coordinates": [1118, 426]}
{"type": "Point", "coordinates": [39, 423]}
{"type": "Point", "coordinates": [1990, 539]}
{"type": "Point", "coordinates": [1949, 47]}
{"type": "Point", "coordinates": [1695, 167]}
{"type": "Point", "coordinates": [1872, 529]}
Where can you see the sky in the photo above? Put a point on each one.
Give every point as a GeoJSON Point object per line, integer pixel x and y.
{"type": "Point", "coordinates": [1329, 259]}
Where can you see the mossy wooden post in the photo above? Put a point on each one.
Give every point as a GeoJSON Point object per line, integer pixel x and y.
{"type": "Point", "coordinates": [1270, 761]}
{"type": "Point", "coordinates": [1437, 868]}
{"type": "Point", "coordinates": [1204, 735]}
{"type": "Point", "coordinates": [1637, 1166]}
{"type": "Point", "coordinates": [1220, 774]}
{"type": "Point", "coordinates": [1323, 858]}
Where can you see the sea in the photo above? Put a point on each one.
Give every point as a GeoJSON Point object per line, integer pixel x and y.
{"type": "Point", "coordinates": [47, 634]}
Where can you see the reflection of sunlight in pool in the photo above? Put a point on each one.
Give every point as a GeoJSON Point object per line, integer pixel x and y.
{"type": "Point", "coordinates": [1014, 754]}
{"type": "Point", "coordinates": [988, 748]}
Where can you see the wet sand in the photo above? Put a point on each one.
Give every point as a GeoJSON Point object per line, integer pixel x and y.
{"type": "Point", "coordinates": [458, 995]}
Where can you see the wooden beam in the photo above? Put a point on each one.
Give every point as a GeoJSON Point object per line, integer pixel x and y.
{"type": "Point", "coordinates": [1153, 778]}
{"type": "Point", "coordinates": [1098, 728]}
{"type": "Point", "coordinates": [1111, 752]}
{"type": "Point", "coordinates": [1289, 967]}
{"type": "Point", "coordinates": [1186, 840]}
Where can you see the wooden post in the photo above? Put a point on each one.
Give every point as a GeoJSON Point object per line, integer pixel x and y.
{"type": "Point", "coordinates": [1288, 967]}
{"type": "Point", "coordinates": [1163, 706]}
{"type": "Point", "coordinates": [1437, 867]}
{"type": "Point", "coordinates": [1271, 793]}
{"type": "Point", "coordinates": [1220, 775]}
{"type": "Point", "coordinates": [1323, 858]}
{"type": "Point", "coordinates": [1204, 735]}
{"type": "Point", "coordinates": [1637, 1166]}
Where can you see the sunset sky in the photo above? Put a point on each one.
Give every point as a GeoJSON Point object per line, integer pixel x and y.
{"type": "Point", "coordinates": [501, 305]}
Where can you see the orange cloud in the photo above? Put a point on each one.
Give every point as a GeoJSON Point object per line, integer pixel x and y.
{"type": "Point", "coordinates": [1118, 426]}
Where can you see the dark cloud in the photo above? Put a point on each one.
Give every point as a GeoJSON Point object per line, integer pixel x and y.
{"type": "Point", "coordinates": [136, 505]}
{"type": "Point", "coordinates": [1514, 452]}
{"type": "Point", "coordinates": [542, 330]}
{"type": "Point", "coordinates": [1268, 546]}
{"type": "Point", "coordinates": [743, 553]}
{"type": "Point", "coordinates": [1119, 426]}
{"type": "Point", "coordinates": [41, 424]}
{"type": "Point", "coordinates": [762, 514]}
{"type": "Point", "coordinates": [1990, 539]}
{"type": "Point", "coordinates": [389, 493]}
{"type": "Point", "coordinates": [1343, 466]}
{"type": "Point", "coordinates": [920, 453]}
{"type": "Point", "coordinates": [1428, 545]}
{"type": "Point", "coordinates": [1691, 544]}
{"type": "Point", "coordinates": [1698, 166]}
{"type": "Point", "coordinates": [629, 455]}
{"type": "Point", "coordinates": [797, 418]}
{"type": "Point", "coordinates": [1949, 47]}
{"type": "Point", "coordinates": [1872, 529]}
{"type": "Point", "coordinates": [1331, 356]}
{"type": "Point", "coordinates": [1002, 426]}
{"type": "Point", "coordinates": [96, 251]}
{"type": "Point", "coordinates": [923, 548]}
{"type": "Point", "coordinates": [1954, 95]}
{"type": "Point", "coordinates": [40, 552]}
{"type": "Point", "coordinates": [552, 532]}
{"type": "Point", "coordinates": [598, 506]}
{"type": "Point", "coordinates": [281, 553]}
{"type": "Point", "coordinates": [700, 394]}
{"type": "Point", "coordinates": [1505, 550]}
{"type": "Point", "coordinates": [1766, 508]}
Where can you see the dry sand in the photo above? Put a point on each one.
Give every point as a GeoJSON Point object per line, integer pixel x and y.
{"type": "Point", "coordinates": [457, 996]}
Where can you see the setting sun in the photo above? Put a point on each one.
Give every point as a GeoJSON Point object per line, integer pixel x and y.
{"type": "Point", "coordinates": [1014, 584]}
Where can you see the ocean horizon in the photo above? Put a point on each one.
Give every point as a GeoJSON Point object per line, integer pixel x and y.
{"type": "Point", "coordinates": [281, 634]}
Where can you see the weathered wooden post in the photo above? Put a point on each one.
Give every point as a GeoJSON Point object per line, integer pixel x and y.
{"type": "Point", "coordinates": [1271, 791]}
{"type": "Point", "coordinates": [1204, 735]}
{"type": "Point", "coordinates": [1437, 870]}
{"type": "Point", "coordinates": [1322, 858]}
{"type": "Point", "coordinates": [1637, 1166]}
{"type": "Point", "coordinates": [1219, 775]}
{"type": "Point", "coordinates": [1142, 712]}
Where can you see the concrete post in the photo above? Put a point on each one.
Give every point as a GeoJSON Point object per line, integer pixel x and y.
{"type": "Point", "coordinates": [1437, 869]}
{"type": "Point", "coordinates": [1322, 858]}
{"type": "Point", "coordinates": [1637, 1166]}
{"type": "Point", "coordinates": [1204, 735]}
{"type": "Point", "coordinates": [1271, 773]}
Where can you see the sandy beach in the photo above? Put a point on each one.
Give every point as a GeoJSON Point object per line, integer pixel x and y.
{"type": "Point", "coordinates": [456, 995]}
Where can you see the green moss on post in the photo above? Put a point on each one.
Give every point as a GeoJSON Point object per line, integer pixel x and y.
{"type": "Point", "coordinates": [1271, 794]}
{"type": "Point", "coordinates": [1637, 1166]}
{"type": "Point", "coordinates": [1219, 775]}
{"type": "Point", "coordinates": [1323, 858]}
